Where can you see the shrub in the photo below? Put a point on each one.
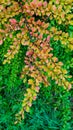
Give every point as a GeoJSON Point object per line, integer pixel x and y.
{"type": "Point", "coordinates": [31, 34]}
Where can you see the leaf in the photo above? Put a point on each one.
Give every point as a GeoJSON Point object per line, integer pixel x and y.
{"type": "Point", "coordinates": [30, 81]}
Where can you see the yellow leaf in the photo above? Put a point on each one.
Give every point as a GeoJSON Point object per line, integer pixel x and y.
{"type": "Point", "coordinates": [30, 81]}
{"type": "Point", "coordinates": [27, 109]}
{"type": "Point", "coordinates": [71, 22]}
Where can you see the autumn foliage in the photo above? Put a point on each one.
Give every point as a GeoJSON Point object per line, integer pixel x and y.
{"type": "Point", "coordinates": [34, 31]}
